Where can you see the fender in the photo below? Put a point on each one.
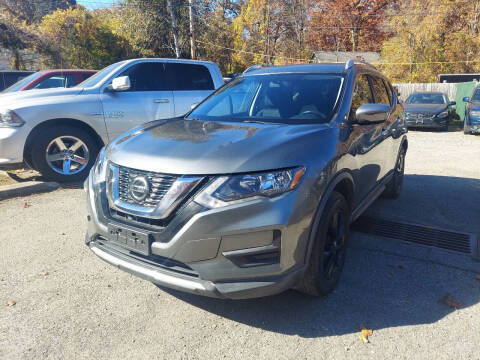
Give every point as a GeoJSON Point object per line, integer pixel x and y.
{"type": "Point", "coordinates": [342, 175]}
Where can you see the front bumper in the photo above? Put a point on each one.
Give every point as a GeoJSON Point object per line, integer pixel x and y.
{"type": "Point", "coordinates": [208, 248]}
{"type": "Point", "coordinates": [427, 123]}
{"type": "Point", "coordinates": [12, 143]}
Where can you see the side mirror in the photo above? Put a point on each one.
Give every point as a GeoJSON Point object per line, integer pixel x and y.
{"type": "Point", "coordinates": [372, 113]}
{"type": "Point", "coordinates": [121, 83]}
{"type": "Point", "coordinates": [466, 99]}
{"type": "Point", "coordinates": [452, 103]}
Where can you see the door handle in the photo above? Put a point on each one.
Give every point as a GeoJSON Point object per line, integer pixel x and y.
{"type": "Point", "coordinates": [161, 101]}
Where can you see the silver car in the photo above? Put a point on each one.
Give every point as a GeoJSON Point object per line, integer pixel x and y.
{"type": "Point", "coordinates": [252, 192]}
{"type": "Point", "coordinates": [60, 131]}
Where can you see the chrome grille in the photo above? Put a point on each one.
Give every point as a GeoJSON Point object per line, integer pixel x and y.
{"type": "Point", "coordinates": [159, 185]}
{"type": "Point", "coordinates": [423, 116]}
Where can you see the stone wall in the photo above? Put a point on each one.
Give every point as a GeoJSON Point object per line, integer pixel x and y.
{"type": "Point", "coordinates": [30, 59]}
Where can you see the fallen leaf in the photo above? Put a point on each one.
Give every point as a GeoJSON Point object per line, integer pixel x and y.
{"type": "Point", "coordinates": [450, 302]}
{"type": "Point", "coordinates": [11, 303]}
{"type": "Point", "coordinates": [365, 333]}
{"type": "Point", "coordinates": [400, 266]}
{"type": "Point", "coordinates": [478, 278]}
{"type": "Point", "coordinates": [45, 273]}
{"type": "Point", "coordinates": [26, 205]}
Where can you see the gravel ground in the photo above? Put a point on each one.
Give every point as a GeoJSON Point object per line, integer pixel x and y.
{"type": "Point", "coordinates": [69, 304]}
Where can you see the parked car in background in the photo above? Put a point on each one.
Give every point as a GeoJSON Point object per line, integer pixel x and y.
{"type": "Point", "coordinates": [428, 110]}
{"type": "Point", "coordinates": [472, 113]}
{"type": "Point", "coordinates": [47, 79]}
{"type": "Point", "coordinates": [254, 190]}
{"type": "Point", "coordinates": [8, 78]}
{"type": "Point", "coordinates": [60, 131]}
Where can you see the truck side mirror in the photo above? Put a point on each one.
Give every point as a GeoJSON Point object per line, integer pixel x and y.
{"type": "Point", "coordinates": [121, 83]}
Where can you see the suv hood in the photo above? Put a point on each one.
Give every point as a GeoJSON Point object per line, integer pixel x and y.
{"type": "Point", "coordinates": [193, 147]}
{"type": "Point", "coordinates": [9, 99]}
{"type": "Point", "coordinates": [425, 108]}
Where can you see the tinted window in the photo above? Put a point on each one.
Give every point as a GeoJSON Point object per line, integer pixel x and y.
{"type": "Point", "coordinates": [286, 98]}
{"type": "Point", "coordinates": [23, 82]}
{"type": "Point", "coordinates": [361, 95]}
{"type": "Point", "coordinates": [190, 77]}
{"type": "Point", "coordinates": [379, 91]}
{"type": "Point", "coordinates": [147, 77]}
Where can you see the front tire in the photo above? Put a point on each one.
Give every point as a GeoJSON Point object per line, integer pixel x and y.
{"type": "Point", "coordinates": [64, 154]}
{"type": "Point", "coordinates": [329, 249]}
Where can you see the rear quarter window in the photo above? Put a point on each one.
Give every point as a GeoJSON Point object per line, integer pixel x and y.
{"type": "Point", "coordinates": [190, 77]}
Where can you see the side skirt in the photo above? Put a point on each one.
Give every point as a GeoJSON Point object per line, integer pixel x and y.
{"type": "Point", "coordinates": [371, 197]}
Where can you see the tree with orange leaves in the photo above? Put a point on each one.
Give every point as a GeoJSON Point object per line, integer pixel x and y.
{"type": "Point", "coordinates": [346, 25]}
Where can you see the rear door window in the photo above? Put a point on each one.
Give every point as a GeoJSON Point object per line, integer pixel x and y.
{"type": "Point", "coordinates": [190, 77]}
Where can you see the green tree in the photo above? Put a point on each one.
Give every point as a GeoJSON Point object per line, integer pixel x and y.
{"type": "Point", "coordinates": [82, 39]}
{"type": "Point", "coordinates": [438, 36]}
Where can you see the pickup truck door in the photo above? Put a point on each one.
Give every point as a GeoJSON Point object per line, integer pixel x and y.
{"type": "Point", "coordinates": [191, 84]}
{"type": "Point", "coordinates": [149, 98]}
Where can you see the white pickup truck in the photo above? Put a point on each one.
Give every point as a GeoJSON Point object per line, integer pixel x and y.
{"type": "Point", "coordinates": [60, 131]}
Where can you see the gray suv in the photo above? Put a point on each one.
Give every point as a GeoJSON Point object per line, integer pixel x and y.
{"type": "Point", "coordinates": [253, 191]}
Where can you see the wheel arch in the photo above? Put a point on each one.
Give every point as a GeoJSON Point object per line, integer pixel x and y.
{"type": "Point", "coordinates": [55, 122]}
{"type": "Point", "coordinates": [343, 182]}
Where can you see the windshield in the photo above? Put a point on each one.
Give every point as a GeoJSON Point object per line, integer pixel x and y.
{"type": "Point", "coordinates": [22, 82]}
{"type": "Point", "coordinates": [276, 98]}
{"type": "Point", "coordinates": [426, 99]}
{"type": "Point", "coordinates": [94, 79]}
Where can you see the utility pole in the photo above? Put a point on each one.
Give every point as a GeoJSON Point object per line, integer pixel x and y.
{"type": "Point", "coordinates": [193, 48]}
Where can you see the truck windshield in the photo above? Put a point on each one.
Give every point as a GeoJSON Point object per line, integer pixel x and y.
{"type": "Point", "coordinates": [93, 80]}
{"type": "Point", "coordinates": [275, 98]}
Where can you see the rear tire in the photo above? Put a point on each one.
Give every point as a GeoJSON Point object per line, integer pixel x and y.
{"type": "Point", "coordinates": [394, 186]}
{"type": "Point", "coordinates": [64, 153]}
{"type": "Point", "coordinates": [329, 248]}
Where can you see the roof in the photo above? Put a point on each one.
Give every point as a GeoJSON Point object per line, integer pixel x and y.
{"type": "Point", "coordinates": [67, 71]}
{"type": "Point", "coordinates": [302, 68]}
{"type": "Point", "coordinates": [343, 56]}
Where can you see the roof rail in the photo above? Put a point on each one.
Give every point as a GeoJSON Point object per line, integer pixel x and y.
{"type": "Point", "coordinates": [350, 62]}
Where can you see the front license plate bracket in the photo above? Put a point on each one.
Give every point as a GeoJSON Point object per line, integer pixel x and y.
{"type": "Point", "coordinates": [131, 239]}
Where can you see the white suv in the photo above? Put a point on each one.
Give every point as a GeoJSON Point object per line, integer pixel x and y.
{"type": "Point", "coordinates": [60, 131]}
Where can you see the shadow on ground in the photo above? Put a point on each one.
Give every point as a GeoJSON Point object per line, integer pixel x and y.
{"type": "Point", "coordinates": [442, 201]}
{"type": "Point", "coordinates": [377, 291]}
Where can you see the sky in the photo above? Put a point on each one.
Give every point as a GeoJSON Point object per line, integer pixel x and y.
{"type": "Point", "coordinates": [96, 4]}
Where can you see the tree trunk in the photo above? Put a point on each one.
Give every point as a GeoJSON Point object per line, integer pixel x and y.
{"type": "Point", "coordinates": [174, 28]}
{"type": "Point", "coordinates": [192, 34]}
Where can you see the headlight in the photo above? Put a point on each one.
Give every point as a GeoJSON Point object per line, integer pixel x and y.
{"type": "Point", "coordinates": [8, 118]}
{"type": "Point", "coordinates": [226, 190]}
{"type": "Point", "coordinates": [100, 168]}
{"type": "Point", "coordinates": [442, 114]}
{"type": "Point", "coordinates": [475, 113]}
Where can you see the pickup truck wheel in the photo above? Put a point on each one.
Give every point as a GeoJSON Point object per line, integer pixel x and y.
{"type": "Point", "coordinates": [329, 249]}
{"type": "Point", "coordinates": [64, 154]}
{"type": "Point", "coordinates": [394, 186]}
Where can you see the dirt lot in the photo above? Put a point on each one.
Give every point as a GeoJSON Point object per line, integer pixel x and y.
{"type": "Point", "coordinates": [69, 304]}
